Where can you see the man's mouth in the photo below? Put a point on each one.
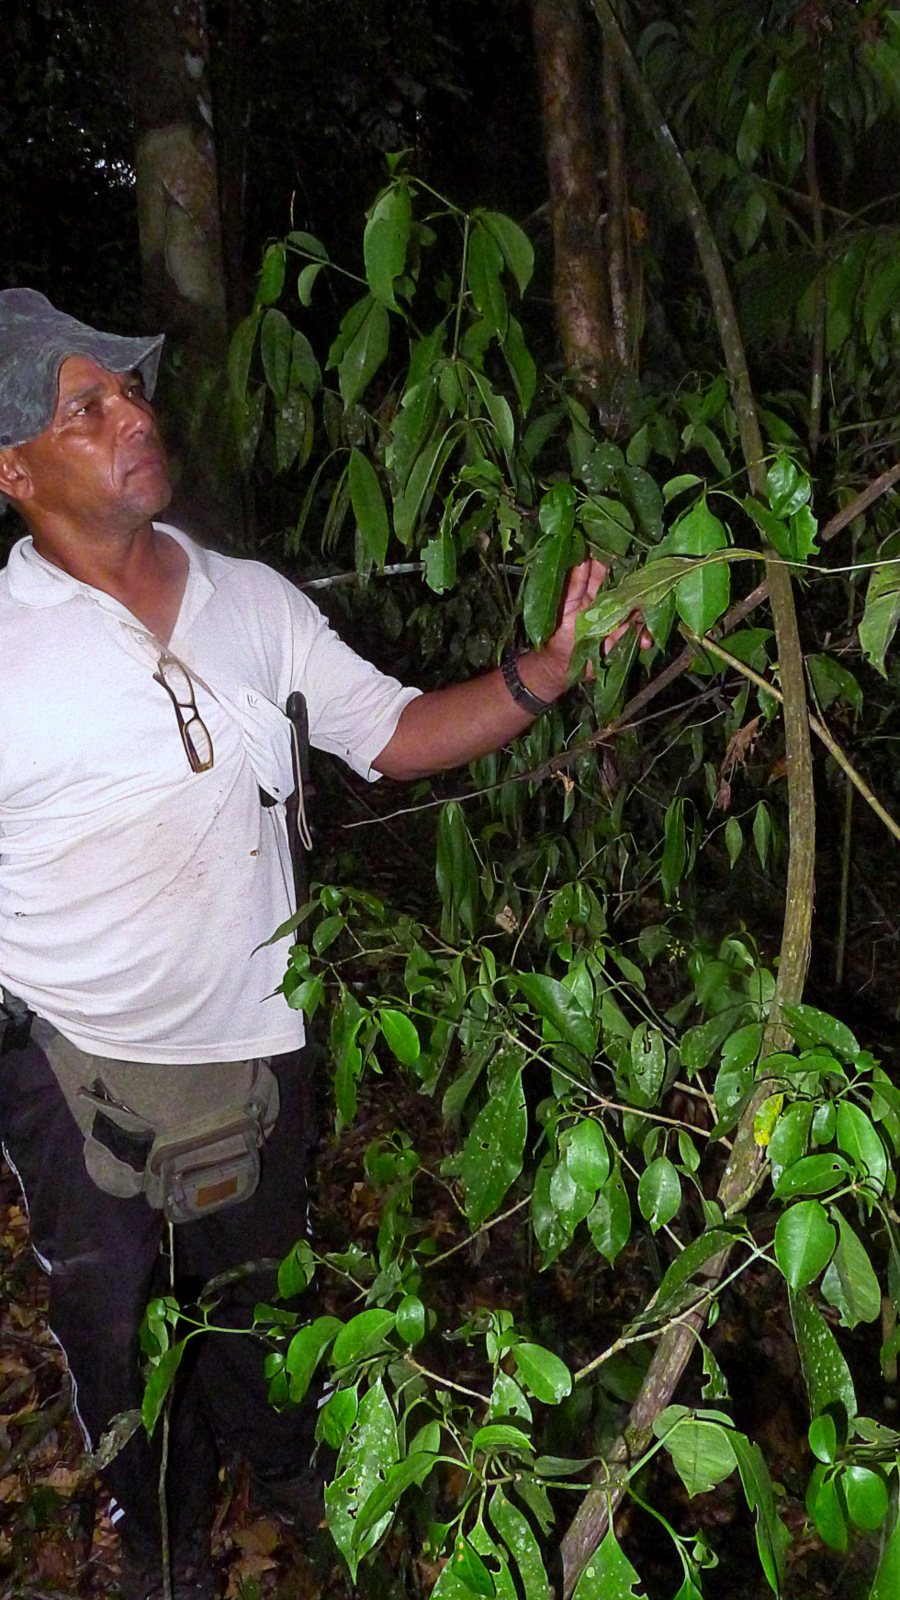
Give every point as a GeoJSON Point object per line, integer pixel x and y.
{"type": "Point", "coordinates": [149, 461]}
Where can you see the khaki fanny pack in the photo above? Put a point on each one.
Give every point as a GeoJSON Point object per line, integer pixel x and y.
{"type": "Point", "coordinates": [186, 1137]}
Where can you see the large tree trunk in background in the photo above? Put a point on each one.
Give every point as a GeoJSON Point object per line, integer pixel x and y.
{"type": "Point", "coordinates": [582, 296]}
{"type": "Point", "coordinates": [181, 246]}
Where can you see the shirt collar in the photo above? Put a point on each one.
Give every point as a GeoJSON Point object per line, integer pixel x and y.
{"type": "Point", "coordinates": [35, 581]}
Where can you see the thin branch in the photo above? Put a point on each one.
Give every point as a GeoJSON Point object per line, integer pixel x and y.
{"type": "Point", "coordinates": [433, 1261]}
{"type": "Point", "coordinates": [817, 361]}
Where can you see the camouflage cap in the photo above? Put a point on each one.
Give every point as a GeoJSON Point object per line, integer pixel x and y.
{"type": "Point", "coordinates": [35, 340]}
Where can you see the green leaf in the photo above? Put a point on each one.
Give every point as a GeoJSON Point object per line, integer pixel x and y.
{"type": "Point", "coordinates": [881, 296]}
{"type": "Point", "coordinates": [543, 1373]}
{"type": "Point", "coordinates": [587, 1154]}
{"type": "Point", "coordinates": [772, 1537]}
{"type": "Point", "coordinates": [411, 427]}
{"type": "Point", "coordinates": [608, 1574]}
{"type": "Point", "coordinates": [306, 279]}
{"type": "Point", "coordinates": [751, 133]}
{"type": "Point", "coordinates": [850, 1283]}
{"type": "Point", "coordinates": [867, 1496]}
{"type": "Point", "coordinates": [823, 1438]}
{"type": "Point", "coordinates": [545, 577]}
{"type": "Point", "coordinates": [508, 1399]}
{"type": "Point", "coordinates": [521, 363]}
{"type": "Point", "coordinates": [240, 353]}
{"type": "Point", "coordinates": [734, 839]}
{"type": "Point", "coordinates": [456, 871]}
{"type": "Point", "coordinates": [831, 681]}
{"type": "Point", "coordinates": [413, 1468]}
{"type": "Point", "coordinates": [365, 1460]}
{"type": "Point", "coordinates": [702, 596]}
{"type": "Point", "coordinates": [159, 1383]}
{"type": "Point", "coordinates": [368, 507]}
{"type": "Point", "coordinates": [271, 277]}
{"type": "Point", "coordinates": [468, 1567]}
{"type": "Point", "coordinates": [363, 1334]}
{"type": "Point", "coordinates": [804, 1242]}
{"type": "Point", "coordinates": [788, 486]}
{"type": "Point", "coordinates": [609, 1222]}
{"type": "Point", "coordinates": [659, 1192]}
{"type": "Point", "coordinates": [411, 1319]}
{"type": "Point", "coordinates": [309, 244]}
{"type": "Point", "coordinates": [483, 268]}
{"type": "Point", "coordinates": [515, 1531]}
{"type": "Point", "coordinates": [762, 831]}
{"type": "Point", "coordinates": [499, 1436]}
{"type": "Point", "coordinates": [294, 429]}
{"type": "Point", "coordinates": [882, 608]}
{"type": "Point", "coordinates": [674, 849]}
{"type": "Point", "coordinates": [518, 252]}
{"type": "Point", "coordinates": [811, 1027]}
{"type": "Point", "coordinates": [701, 1450]}
{"type": "Point", "coordinates": [385, 242]}
{"type": "Point", "coordinates": [828, 1511]}
{"type": "Point", "coordinates": [825, 1372]}
{"type": "Point", "coordinates": [337, 1416]}
{"type": "Point", "coordinates": [401, 1034]}
{"type": "Point", "coordinates": [887, 1579]}
{"type": "Point", "coordinates": [364, 353]}
{"type": "Point", "coordinates": [275, 344]}
{"type": "Point", "coordinates": [305, 1351]}
{"type": "Point", "coordinates": [296, 1271]}
{"type": "Point", "coordinates": [492, 1155]}
{"type": "Point", "coordinates": [560, 1008]}
{"type": "Point", "coordinates": [859, 1139]}
{"type": "Point", "coordinates": [812, 1175]}
{"type": "Point", "coordinates": [439, 556]}
{"type": "Point", "coordinates": [415, 498]}
{"type": "Point", "coordinates": [680, 1275]}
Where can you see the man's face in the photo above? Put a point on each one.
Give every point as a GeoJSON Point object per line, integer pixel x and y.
{"type": "Point", "coordinates": [101, 461]}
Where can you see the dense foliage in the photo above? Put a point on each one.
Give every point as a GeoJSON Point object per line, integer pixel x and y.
{"type": "Point", "coordinates": [592, 1049]}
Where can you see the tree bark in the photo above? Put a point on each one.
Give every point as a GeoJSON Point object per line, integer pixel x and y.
{"type": "Point", "coordinates": [181, 244]}
{"type": "Point", "coordinates": [580, 284]}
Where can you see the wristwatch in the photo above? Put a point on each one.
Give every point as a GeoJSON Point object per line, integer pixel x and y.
{"type": "Point", "coordinates": [509, 666]}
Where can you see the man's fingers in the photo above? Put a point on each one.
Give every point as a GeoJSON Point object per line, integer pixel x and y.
{"type": "Point", "coordinates": [636, 620]}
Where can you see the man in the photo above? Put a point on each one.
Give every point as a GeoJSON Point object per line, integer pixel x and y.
{"type": "Point", "coordinates": [140, 718]}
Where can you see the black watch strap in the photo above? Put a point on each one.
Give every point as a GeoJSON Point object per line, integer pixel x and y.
{"type": "Point", "coordinates": [509, 666]}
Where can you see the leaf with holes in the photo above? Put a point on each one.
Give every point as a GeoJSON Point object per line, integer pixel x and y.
{"type": "Point", "coordinates": [366, 1458]}
{"type": "Point", "coordinates": [492, 1156]}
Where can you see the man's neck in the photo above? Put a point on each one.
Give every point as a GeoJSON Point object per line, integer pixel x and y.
{"type": "Point", "coordinates": [144, 569]}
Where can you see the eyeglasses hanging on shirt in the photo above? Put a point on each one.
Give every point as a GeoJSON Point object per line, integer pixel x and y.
{"type": "Point", "coordinates": [195, 734]}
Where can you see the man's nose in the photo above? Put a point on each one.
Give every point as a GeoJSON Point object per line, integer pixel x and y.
{"type": "Point", "coordinates": [134, 415]}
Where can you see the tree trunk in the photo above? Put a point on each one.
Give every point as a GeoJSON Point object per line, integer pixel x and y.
{"type": "Point", "coordinates": [181, 245]}
{"type": "Point", "coordinates": [581, 292]}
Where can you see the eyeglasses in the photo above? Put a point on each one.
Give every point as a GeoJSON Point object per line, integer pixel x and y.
{"type": "Point", "coordinates": [194, 733]}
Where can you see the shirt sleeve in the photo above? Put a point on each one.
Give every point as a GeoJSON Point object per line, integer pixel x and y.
{"type": "Point", "coordinates": [353, 708]}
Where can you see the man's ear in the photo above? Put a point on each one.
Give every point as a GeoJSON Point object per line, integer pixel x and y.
{"type": "Point", "coordinates": [15, 479]}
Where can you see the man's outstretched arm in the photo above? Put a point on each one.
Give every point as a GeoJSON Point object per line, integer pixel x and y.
{"type": "Point", "coordinates": [449, 727]}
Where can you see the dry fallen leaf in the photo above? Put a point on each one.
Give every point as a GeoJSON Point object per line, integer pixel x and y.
{"type": "Point", "coordinates": [259, 1538]}
{"type": "Point", "coordinates": [65, 1480]}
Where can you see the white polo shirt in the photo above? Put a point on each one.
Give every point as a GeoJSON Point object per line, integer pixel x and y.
{"type": "Point", "coordinates": [133, 891]}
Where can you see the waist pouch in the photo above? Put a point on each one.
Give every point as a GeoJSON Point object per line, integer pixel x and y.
{"type": "Point", "coordinates": [186, 1137]}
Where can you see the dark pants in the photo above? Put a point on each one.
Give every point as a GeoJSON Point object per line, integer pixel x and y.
{"type": "Point", "coordinates": [103, 1255]}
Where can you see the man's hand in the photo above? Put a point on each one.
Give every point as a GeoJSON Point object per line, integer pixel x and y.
{"type": "Point", "coordinates": [549, 666]}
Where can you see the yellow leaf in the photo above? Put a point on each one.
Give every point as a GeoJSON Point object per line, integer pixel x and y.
{"type": "Point", "coordinates": [766, 1118]}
